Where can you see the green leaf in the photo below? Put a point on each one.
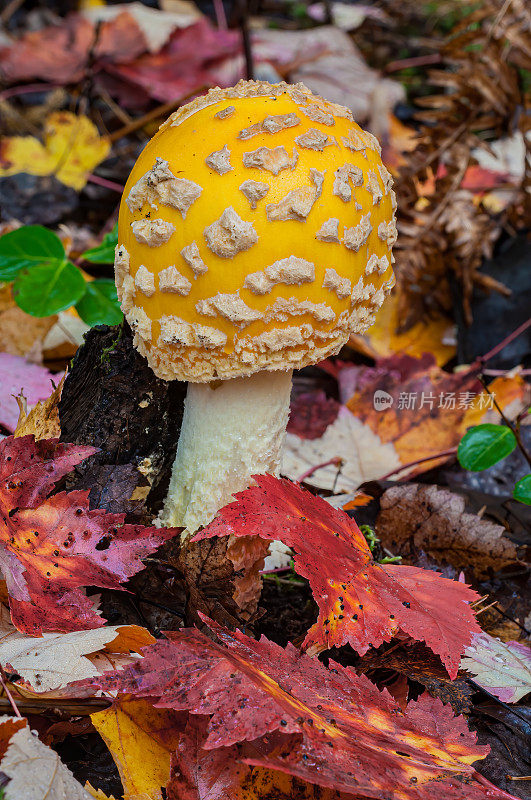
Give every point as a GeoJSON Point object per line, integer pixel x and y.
{"type": "Point", "coordinates": [522, 490]}
{"type": "Point", "coordinates": [99, 305]}
{"type": "Point", "coordinates": [26, 247]}
{"type": "Point", "coordinates": [104, 252]}
{"type": "Point", "coordinates": [485, 445]}
{"type": "Point", "coordinates": [48, 288]}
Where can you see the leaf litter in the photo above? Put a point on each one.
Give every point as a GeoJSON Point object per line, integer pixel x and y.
{"type": "Point", "coordinates": [457, 195]}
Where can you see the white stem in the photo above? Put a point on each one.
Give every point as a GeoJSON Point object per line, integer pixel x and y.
{"type": "Point", "coordinates": [231, 430]}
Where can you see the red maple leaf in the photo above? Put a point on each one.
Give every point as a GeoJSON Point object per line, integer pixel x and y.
{"type": "Point", "coordinates": [361, 602]}
{"type": "Point", "coordinates": [29, 469]}
{"type": "Point", "coordinates": [52, 547]}
{"type": "Point", "coordinates": [221, 774]}
{"type": "Point", "coordinates": [327, 726]}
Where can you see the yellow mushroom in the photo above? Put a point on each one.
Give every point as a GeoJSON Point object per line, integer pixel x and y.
{"type": "Point", "coordinates": [255, 236]}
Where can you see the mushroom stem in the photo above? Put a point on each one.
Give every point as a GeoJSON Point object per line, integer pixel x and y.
{"type": "Point", "coordinates": [231, 429]}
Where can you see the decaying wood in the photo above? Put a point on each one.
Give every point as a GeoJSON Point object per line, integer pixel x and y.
{"type": "Point", "coordinates": [112, 400]}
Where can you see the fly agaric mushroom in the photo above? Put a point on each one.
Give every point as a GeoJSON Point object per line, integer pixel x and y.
{"type": "Point", "coordinates": [255, 236]}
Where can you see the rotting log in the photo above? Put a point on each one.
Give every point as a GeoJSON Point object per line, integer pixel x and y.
{"type": "Point", "coordinates": [112, 400]}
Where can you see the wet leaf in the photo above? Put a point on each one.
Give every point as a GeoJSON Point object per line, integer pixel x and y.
{"type": "Point", "coordinates": [33, 770]}
{"type": "Point", "coordinates": [141, 739]}
{"type": "Point", "coordinates": [55, 660]}
{"type": "Point", "coordinates": [311, 413]}
{"type": "Point", "coordinates": [50, 53]}
{"type": "Point", "coordinates": [432, 335]}
{"type": "Point", "coordinates": [199, 774]}
{"type": "Point", "coordinates": [503, 668]}
{"type": "Point", "coordinates": [20, 334]}
{"type": "Point", "coordinates": [398, 413]}
{"type": "Point", "coordinates": [417, 663]}
{"type": "Point", "coordinates": [29, 469]}
{"type": "Point", "coordinates": [361, 602]}
{"type": "Point", "coordinates": [53, 549]}
{"type": "Point", "coordinates": [485, 445]}
{"type": "Point", "coordinates": [97, 793]}
{"type": "Point", "coordinates": [325, 726]}
{"type": "Point", "coordinates": [190, 60]}
{"type": "Point", "coordinates": [42, 421]}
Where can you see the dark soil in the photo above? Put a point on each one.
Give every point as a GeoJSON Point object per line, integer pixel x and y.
{"type": "Point", "coordinates": [289, 610]}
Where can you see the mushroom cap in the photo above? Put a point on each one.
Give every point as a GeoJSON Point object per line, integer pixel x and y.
{"type": "Point", "coordinates": [255, 233]}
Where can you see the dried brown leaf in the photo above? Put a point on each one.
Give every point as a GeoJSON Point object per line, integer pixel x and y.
{"type": "Point", "coordinates": [415, 517]}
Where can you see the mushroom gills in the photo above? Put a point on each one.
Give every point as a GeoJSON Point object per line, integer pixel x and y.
{"type": "Point", "coordinates": [231, 430]}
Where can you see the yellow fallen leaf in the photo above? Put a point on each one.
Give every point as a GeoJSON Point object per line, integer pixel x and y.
{"type": "Point", "coordinates": [97, 793]}
{"type": "Point", "coordinates": [140, 739]}
{"type": "Point", "coordinates": [72, 148]}
{"type": "Point", "coordinates": [381, 340]}
{"type": "Point", "coordinates": [43, 419]}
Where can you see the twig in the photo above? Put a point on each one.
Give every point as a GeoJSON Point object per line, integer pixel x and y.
{"type": "Point", "coordinates": [485, 608]}
{"type": "Point", "coordinates": [499, 792]}
{"type": "Point", "coordinates": [338, 473]}
{"type": "Point", "coordinates": [480, 600]}
{"type": "Point", "coordinates": [8, 693]}
{"type": "Point", "coordinates": [328, 15]}
{"type": "Point", "coordinates": [496, 700]}
{"type": "Point", "coordinates": [246, 40]}
{"type": "Point", "coordinates": [122, 115]}
{"type": "Point", "coordinates": [276, 571]}
{"type": "Point", "coordinates": [221, 18]}
{"type": "Point", "coordinates": [67, 333]}
{"type": "Point", "coordinates": [478, 363]}
{"type": "Point", "coordinates": [29, 88]}
{"type": "Point", "coordinates": [79, 708]}
{"type": "Point", "coordinates": [456, 181]}
{"type": "Point", "coordinates": [159, 111]}
{"type": "Point", "coordinates": [337, 461]}
{"type": "Point", "coordinates": [415, 61]}
{"type": "Point", "coordinates": [511, 619]}
{"type": "Point", "coordinates": [509, 424]}
{"type": "Point", "coordinates": [444, 453]}
{"type": "Point", "coordinates": [288, 581]}
{"type": "Point", "coordinates": [159, 605]}
{"type": "Point", "coordinates": [516, 778]}
{"type": "Point", "coordinates": [9, 10]}
{"type": "Point", "coordinates": [524, 373]}
{"type": "Point", "coordinates": [115, 187]}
